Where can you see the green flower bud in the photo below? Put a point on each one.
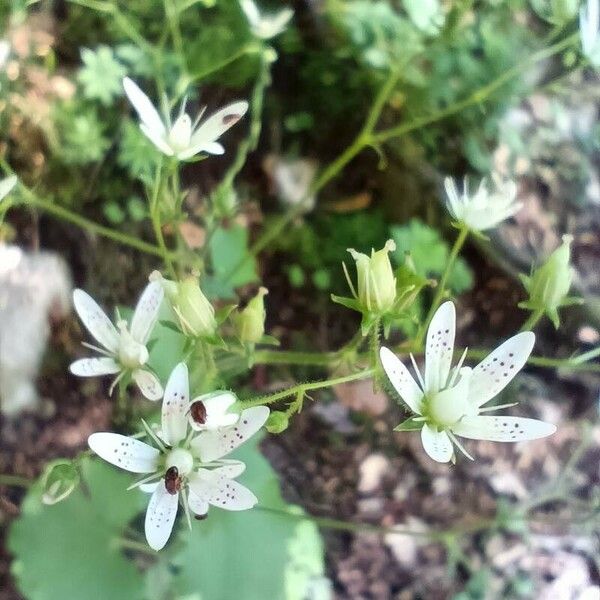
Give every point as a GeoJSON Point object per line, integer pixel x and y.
{"type": "Point", "coordinates": [376, 281]}
{"type": "Point", "coordinates": [549, 285]}
{"type": "Point", "coordinates": [196, 314]}
{"type": "Point", "coordinates": [250, 322]}
{"type": "Point", "coordinates": [60, 478]}
{"type": "Point", "coordinates": [277, 422]}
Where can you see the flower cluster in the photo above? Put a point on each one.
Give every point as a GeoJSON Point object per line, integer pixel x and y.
{"type": "Point", "coordinates": [447, 402]}
{"type": "Point", "coordinates": [186, 464]}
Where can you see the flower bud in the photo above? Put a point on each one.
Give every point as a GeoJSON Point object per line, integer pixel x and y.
{"type": "Point", "coordinates": [60, 478]}
{"type": "Point", "coordinates": [250, 322]}
{"type": "Point", "coordinates": [549, 285]}
{"type": "Point", "coordinates": [277, 422]}
{"type": "Point", "coordinates": [376, 281]}
{"type": "Point", "coordinates": [196, 314]}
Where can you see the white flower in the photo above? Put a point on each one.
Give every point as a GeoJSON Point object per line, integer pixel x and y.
{"type": "Point", "coordinates": [124, 349]}
{"type": "Point", "coordinates": [183, 468]}
{"type": "Point", "coordinates": [589, 22]}
{"type": "Point", "coordinates": [7, 185]}
{"type": "Point", "coordinates": [183, 139]}
{"type": "Point", "coordinates": [210, 411]}
{"type": "Point", "coordinates": [485, 208]}
{"type": "Point", "coordinates": [448, 402]}
{"type": "Point", "coordinates": [263, 26]}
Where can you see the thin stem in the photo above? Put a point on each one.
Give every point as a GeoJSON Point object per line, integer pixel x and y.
{"type": "Point", "coordinates": [287, 357]}
{"type": "Point", "coordinates": [441, 288]}
{"type": "Point", "coordinates": [302, 388]}
{"type": "Point", "coordinates": [65, 214]}
{"type": "Point", "coordinates": [532, 320]}
{"type": "Point", "coordinates": [252, 48]}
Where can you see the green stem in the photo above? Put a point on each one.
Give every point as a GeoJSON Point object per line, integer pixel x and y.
{"type": "Point", "coordinates": [441, 288]}
{"type": "Point", "coordinates": [479, 96]}
{"type": "Point", "coordinates": [302, 388]}
{"type": "Point", "coordinates": [532, 320]}
{"type": "Point", "coordinates": [65, 214]}
{"type": "Point", "coordinates": [15, 480]}
{"type": "Point", "coordinates": [252, 48]}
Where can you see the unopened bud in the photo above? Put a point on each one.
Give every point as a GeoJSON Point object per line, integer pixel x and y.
{"type": "Point", "coordinates": [549, 285]}
{"type": "Point", "coordinates": [250, 321]}
{"type": "Point", "coordinates": [376, 281]}
{"type": "Point", "coordinates": [60, 478]}
{"type": "Point", "coordinates": [277, 422]}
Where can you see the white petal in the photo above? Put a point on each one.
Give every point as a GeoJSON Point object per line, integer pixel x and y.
{"type": "Point", "coordinates": [96, 321]}
{"type": "Point", "coordinates": [175, 406]}
{"type": "Point", "coordinates": [502, 429]}
{"type": "Point", "coordinates": [402, 380]}
{"type": "Point", "coordinates": [181, 132]}
{"type": "Point", "coordinates": [211, 445]}
{"type": "Point", "coordinates": [216, 405]}
{"type": "Point", "coordinates": [148, 383]}
{"type": "Point", "coordinates": [125, 452]}
{"type": "Point", "coordinates": [198, 505]}
{"type": "Point", "coordinates": [436, 443]}
{"type": "Point", "coordinates": [146, 312]}
{"type": "Point", "coordinates": [251, 11]}
{"type": "Point", "coordinates": [91, 367]}
{"type": "Point", "coordinates": [439, 347]}
{"type": "Point", "coordinates": [495, 371]}
{"type": "Point", "coordinates": [160, 516]}
{"type": "Point", "coordinates": [209, 148]}
{"type": "Point", "coordinates": [158, 140]}
{"type": "Point", "coordinates": [6, 186]}
{"type": "Point", "coordinates": [216, 125]}
{"type": "Point", "coordinates": [231, 468]}
{"type": "Point", "coordinates": [219, 490]}
{"type": "Point", "coordinates": [148, 488]}
{"type": "Point", "coordinates": [144, 107]}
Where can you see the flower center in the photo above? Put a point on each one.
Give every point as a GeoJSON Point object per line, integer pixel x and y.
{"type": "Point", "coordinates": [181, 133]}
{"type": "Point", "coordinates": [181, 459]}
{"type": "Point", "coordinates": [132, 354]}
{"type": "Point", "coordinates": [443, 410]}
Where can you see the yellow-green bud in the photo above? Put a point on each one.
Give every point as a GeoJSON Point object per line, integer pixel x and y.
{"type": "Point", "coordinates": [60, 478]}
{"type": "Point", "coordinates": [549, 285]}
{"type": "Point", "coordinates": [250, 322]}
{"type": "Point", "coordinates": [196, 314]}
{"type": "Point", "coordinates": [277, 422]}
{"type": "Point", "coordinates": [376, 281]}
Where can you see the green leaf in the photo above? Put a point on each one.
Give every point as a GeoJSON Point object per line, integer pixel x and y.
{"type": "Point", "coordinates": [70, 550]}
{"type": "Point", "coordinates": [101, 74]}
{"type": "Point", "coordinates": [252, 554]}
{"type": "Point", "coordinates": [228, 248]}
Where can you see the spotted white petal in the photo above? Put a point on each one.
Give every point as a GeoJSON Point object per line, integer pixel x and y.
{"type": "Point", "coordinates": [146, 312]}
{"type": "Point", "coordinates": [495, 371]}
{"type": "Point", "coordinates": [216, 405]}
{"type": "Point", "coordinates": [217, 124]}
{"type": "Point", "coordinates": [92, 367]}
{"type": "Point", "coordinates": [125, 452]}
{"type": "Point", "coordinates": [148, 383]}
{"type": "Point", "coordinates": [143, 106]}
{"type": "Point", "coordinates": [160, 517]}
{"type": "Point", "coordinates": [96, 321]}
{"type": "Point", "coordinates": [175, 405]}
{"type": "Point", "coordinates": [439, 347]}
{"type": "Point", "coordinates": [214, 487]}
{"type": "Point", "coordinates": [436, 443]}
{"type": "Point", "coordinates": [212, 445]}
{"type": "Point", "coordinates": [402, 380]}
{"type": "Point", "coordinates": [6, 186]}
{"type": "Point", "coordinates": [502, 429]}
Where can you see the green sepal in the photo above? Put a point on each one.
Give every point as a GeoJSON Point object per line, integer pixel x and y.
{"type": "Point", "coordinates": [350, 303]}
{"type": "Point", "coordinates": [170, 325]}
{"type": "Point", "coordinates": [223, 313]}
{"type": "Point", "coordinates": [367, 322]}
{"type": "Point", "coordinates": [269, 340]}
{"type": "Point", "coordinates": [409, 425]}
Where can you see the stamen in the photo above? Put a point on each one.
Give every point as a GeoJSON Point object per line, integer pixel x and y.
{"type": "Point", "coordinates": [197, 120]}
{"type": "Point", "coordinates": [115, 381]}
{"type": "Point", "coordinates": [454, 374]}
{"type": "Point", "coordinates": [149, 479]}
{"type": "Point", "coordinates": [97, 349]}
{"type": "Point", "coordinates": [186, 508]}
{"type": "Point", "coordinates": [416, 368]}
{"type": "Point", "coordinates": [154, 437]}
{"type": "Point", "coordinates": [350, 285]}
{"type": "Point", "coordinates": [490, 408]}
{"type": "Point", "coordinates": [458, 444]}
